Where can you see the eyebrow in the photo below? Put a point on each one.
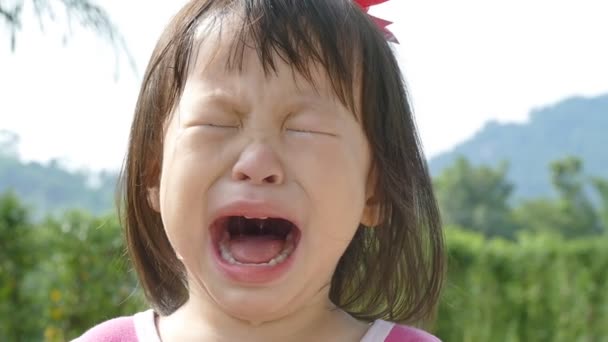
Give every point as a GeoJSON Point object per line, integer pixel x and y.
{"type": "Point", "coordinates": [221, 98]}
{"type": "Point", "coordinates": [227, 99]}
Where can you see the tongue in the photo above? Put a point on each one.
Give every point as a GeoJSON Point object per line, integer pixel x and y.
{"type": "Point", "coordinates": [255, 249]}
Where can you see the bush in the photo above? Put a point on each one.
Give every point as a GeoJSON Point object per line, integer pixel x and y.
{"type": "Point", "coordinates": [67, 274]}
{"type": "Point", "coordinates": [16, 260]}
{"type": "Point", "coordinates": [541, 288]}
{"type": "Point", "coordinates": [62, 276]}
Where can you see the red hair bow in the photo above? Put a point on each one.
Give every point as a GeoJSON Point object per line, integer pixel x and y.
{"type": "Point", "coordinates": [382, 24]}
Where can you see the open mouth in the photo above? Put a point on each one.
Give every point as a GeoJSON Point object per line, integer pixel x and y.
{"type": "Point", "coordinates": [263, 241]}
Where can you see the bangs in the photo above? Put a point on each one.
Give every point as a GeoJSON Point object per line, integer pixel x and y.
{"type": "Point", "coordinates": [306, 35]}
{"type": "Point", "coordinates": [303, 34]}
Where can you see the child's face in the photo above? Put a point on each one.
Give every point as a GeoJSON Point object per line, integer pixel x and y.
{"type": "Point", "coordinates": [246, 144]}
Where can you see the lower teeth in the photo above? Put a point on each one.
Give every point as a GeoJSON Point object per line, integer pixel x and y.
{"type": "Point", "coordinates": [227, 256]}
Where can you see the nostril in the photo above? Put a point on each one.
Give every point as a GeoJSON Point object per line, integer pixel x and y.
{"type": "Point", "coordinates": [272, 179]}
{"type": "Point", "coordinates": [241, 176]}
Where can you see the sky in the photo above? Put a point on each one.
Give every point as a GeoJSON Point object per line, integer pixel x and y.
{"type": "Point", "coordinates": [465, 63]}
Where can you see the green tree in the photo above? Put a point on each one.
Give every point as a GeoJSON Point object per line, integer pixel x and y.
{"type": "Point", "coordinates": [601, 187]}
{"type": "Point", "coordinates": [61, 276]}
{"type": "Point", "coordinates": [16, 260]}
{"type": "Point", "coordinates": [476, 198]}
{"type": "Point", "coordinates": [83, 277]}
{"type": "Point", "coordinates": [50, 188]}
{"type": "Point", "coordinates": [568, 179]}
{"type": "Point", "coordinates": [573, 213]}
{"type": "Point", "coordinates": [84, 12]}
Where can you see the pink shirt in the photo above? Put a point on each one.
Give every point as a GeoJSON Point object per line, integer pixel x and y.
{"type": "Point", "coordinates": [141, 328]}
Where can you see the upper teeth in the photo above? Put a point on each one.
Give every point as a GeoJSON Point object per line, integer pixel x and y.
{"type": "Point", "coordinates": [261, 218]}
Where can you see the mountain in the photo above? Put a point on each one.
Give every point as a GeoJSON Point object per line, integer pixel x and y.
{"type": "Point", "coordinates": [50, 188]}
{"type": "Point", "coordinates": [577, 126]}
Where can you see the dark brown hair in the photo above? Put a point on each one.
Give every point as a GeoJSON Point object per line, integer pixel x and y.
{"type": "Point", "coordinates": [393, 271]}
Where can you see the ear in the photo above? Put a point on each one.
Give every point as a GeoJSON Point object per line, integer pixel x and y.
{"type": "Point", "coordinates": [154, 198]}
{"type": "Point", "coordinates": [371, 212]}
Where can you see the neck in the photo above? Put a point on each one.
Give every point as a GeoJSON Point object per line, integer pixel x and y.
{"type": "Point", "coordinates": [206, 321]}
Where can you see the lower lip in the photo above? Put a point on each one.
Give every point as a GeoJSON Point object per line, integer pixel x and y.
{"type": "Point", "coordinates": [253, 274]}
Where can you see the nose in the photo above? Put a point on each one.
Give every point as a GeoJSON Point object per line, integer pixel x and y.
{"type": "Point", "coordinates": [258, 164]}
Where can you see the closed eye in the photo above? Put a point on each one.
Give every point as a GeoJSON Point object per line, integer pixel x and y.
{"type": "Point", "coordinates": [306, 131]}
{"type": "Point", "coordinates": [220, 126]}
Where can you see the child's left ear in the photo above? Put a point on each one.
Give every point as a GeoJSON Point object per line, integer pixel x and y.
{"type": "Point", "coordinates": [371, 213]}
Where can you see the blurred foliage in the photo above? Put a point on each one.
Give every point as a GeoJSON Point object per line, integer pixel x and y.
{"type": "Point", "coordinates": [16, 260]}
{"type": "Point", "coordinates": [539, 288]}
{"type": "Point", "coordinates": [478, 198]}
{"type": "Point", "coordinates": [85, 13]}
{"type": "Point", "coordinates": [573, 213]}
{"type": "Point", "coordinates": [52, 189]}
{"type": "Point", "coordinates": [61, 276]}
{"type": "Point", "coordinates": [601, 186]}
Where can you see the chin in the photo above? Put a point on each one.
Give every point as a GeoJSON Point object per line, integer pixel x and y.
{"type": "Point", "coordinates": [255, 305]}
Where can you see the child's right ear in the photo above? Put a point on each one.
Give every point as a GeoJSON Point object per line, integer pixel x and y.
{"type": "Point", "coordinates": [154, 198]}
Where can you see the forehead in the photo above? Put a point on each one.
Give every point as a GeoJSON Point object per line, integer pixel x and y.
{"type": "Point", "coordinates": [221, 60]}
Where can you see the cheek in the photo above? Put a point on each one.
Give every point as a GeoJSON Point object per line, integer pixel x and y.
{"type": "Point", "coordinates": [335, 176]}
{"type": "Point", "coordinates": [189, 168]}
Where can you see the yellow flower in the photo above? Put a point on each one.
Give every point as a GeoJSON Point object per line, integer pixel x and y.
{"type": "Point", "coordinates": [56, 313]}
{"type": "Point", "coordinates": [50, 333]}
{"type": "Point", "coordinates": [55, 295]}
